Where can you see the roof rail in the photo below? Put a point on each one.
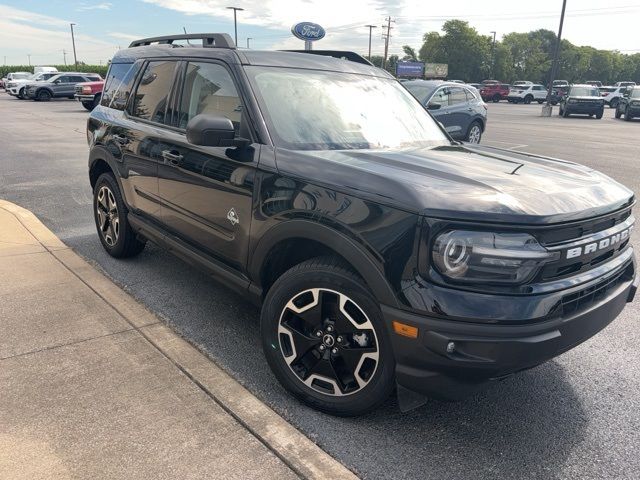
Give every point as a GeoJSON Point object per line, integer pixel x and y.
{"type": "Point", "coordinates": [211, 40]}
{"type": "Point", "coordinates": [344, 55]}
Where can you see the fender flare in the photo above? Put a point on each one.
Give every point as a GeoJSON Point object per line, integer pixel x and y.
{"type": "Point", "coordinates": [100, 153]}
{"type": "Point", "coordinates": [345, 246]}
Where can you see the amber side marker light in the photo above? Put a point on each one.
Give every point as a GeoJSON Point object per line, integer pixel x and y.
{"type": "Point", "coordinates": [405, 330]}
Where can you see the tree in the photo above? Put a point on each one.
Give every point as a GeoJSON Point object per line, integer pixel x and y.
{"type": "Point", "coordinates": [409, 54]}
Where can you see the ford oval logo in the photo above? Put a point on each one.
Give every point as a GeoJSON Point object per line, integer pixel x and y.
{"type": "Point", "coordinates": [308, 31]}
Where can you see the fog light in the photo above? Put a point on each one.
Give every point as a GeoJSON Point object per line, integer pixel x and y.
{"type": "Point", "coordinates": [405, 330]}
{"type": "Point", "coordinates": [451, 347]}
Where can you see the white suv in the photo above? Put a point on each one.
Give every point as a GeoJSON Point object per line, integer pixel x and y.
{"type": "Point", "coordinates": [16, 87]}
{"type": "Point", "coordinates": [527, 93]}
{"type": "Point", "coordinates": [612, 95]}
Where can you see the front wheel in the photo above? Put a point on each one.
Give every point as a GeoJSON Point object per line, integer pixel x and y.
{"type": "Point", "coordinates": [528, 99]}
{"type": "Point", "coordinates": [474, 134]}
{"type": "Point", "coordinates": [323, 336]}
{"type": "Point", "coordinates": [618, 113]}
{"type": "Point", "coordinates": [88, 105]}
{"type": "Point", "coordinates": [110, 214]}
{"type": "Point", "coordinates": [20, 94]}
{"type": "Point", "coordinates": [614, 103]}
{"type": "Point", "coordinates": [599, 114]}
{"type": "Point", "coordinates": [627, 114]}
{"type": "Point", "coordinates": [496, 98]}
{"type": "Point", "coordinates": [565, 113]}
{"type": "Point", "coordinates": [540, 102]}
{"type": "Point", "coordinates": [43, 95]}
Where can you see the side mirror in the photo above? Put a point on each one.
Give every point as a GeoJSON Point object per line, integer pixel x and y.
{"type": "Point", "coordinates": [57, 81]}
{"type": "Point", "coordinates": [213, 131]}
{"type": "Point", "coordinates": [434, 106]}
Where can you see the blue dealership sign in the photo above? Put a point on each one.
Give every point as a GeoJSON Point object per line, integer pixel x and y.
{"type": "Point", "coordinates": [410, 69]}
{"type": "Point", "coordinates": [308, 31]}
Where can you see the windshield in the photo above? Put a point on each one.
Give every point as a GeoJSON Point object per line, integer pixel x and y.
{"type": "Point", "coordinates": [585, 92]}
{"type": "Point", "coordinates": [635, 93]}
{"type": "Point", "coordinates": [317, 110]}
{"type": "Point", "coordinates": [20, 76]}
{"type": "Point", "coordinates": [422, 91]}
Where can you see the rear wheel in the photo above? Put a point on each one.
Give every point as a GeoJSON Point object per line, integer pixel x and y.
{"type": "Point", "coordinates": [21, 94]}
{"type": "Point", "coordinates": [474, 134]}
{"type": "Point", "coordinates": [614, 103]}
{"type": "Point", "coordinates": [43, 95]}
{"type": "Point", "coordinates": [323, 336]}
{"type": "Point", "coordinates": [496, 98]}
{"type": "Point", "coordinates": [110, 213]}
{"type": "Point", "coordinates": [528, 99]}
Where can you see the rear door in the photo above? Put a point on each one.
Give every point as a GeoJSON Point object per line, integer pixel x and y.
{"type": "Point", "coordinates": [459, 113]}
{"type": "Point", "coordinates": [206, 192]}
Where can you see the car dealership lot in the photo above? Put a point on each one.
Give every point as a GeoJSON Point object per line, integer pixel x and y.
{"type": "Point", "coordinates": [577, 416]}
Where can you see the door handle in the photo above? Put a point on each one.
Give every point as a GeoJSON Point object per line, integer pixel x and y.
{"type": "Point", "coordinates": [172, 157]}
{"type": "Point", "coordinates": [121, 139]}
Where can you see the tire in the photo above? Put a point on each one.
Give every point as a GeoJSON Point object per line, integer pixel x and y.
{"type": "Point", "coordinates": [43, 95]}
{"type": "Point", "coordinates": [618, 113]}
{"type": "Point", "coordinates": [627, 115]}
{"type": "Point", "coordinates": [561, 111]}
{"type": "Point", "coordinates": [110, 214]}
{"type": "Point", "coordinates": [496, 98]}
{"type": "Point", "coordinates": [599, 114]}
{"type": "Point", "coordinates": [565, 113]}
{"type": "Point", "coordinates": [474, 133]}
{"type": "Point", "coordinates": [528, 99]}
{"type": "Point", "coordinates": [614, 103]}
{"type": "Point", "coordinates": [20, 95]}
{"type": "Point", "coordinates": [354, 322]}
{"type": "Point", "coordinates": [540, 102]}
{"type": "Point", "coordinates": [88, 105]}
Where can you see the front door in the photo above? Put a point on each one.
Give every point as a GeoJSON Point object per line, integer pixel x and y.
{"type": "Point", "coordinates": [206, 192]}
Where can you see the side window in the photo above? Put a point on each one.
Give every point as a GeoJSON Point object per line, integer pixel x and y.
{"type": "Point", "coordinates": [77, 79]}
{"type": "Point", "coordinates": [457, 96]}
{"type": "Point", "coordinates": [209, 88]}
{"type": "Point", "coordinates": [471, 96]}
{"type": "Point", "coordinates": [64, 79]}
{"type": "Point", "coordinates": [441, 97]}
{"type": "Point", "coordinates": [118, 84]}
{"type": "Point", "coordinates": [151, 97]}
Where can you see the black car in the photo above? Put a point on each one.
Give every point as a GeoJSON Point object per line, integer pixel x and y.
{"type": "Point", "coordinates": [61, 85]}
{"type": "Point", "coordinates": [629, 104]}
{"type": "Point", "coordinates": [385, 256]}
{"type": "Point", "coordinates": [582, 99]}
{"type": "Point", "coordinates": [458, 107]}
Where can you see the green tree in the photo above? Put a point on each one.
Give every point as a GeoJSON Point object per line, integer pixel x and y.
{"type": "Point", "coordinates": [409, 54]}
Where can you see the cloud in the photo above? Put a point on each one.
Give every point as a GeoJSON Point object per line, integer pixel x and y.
{"type": "Point", "coordinates": [125, 36]}
{"type": "Point", "coordinates": [96, 6]}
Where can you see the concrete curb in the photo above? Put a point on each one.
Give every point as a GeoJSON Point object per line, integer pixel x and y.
{"type": "Point", "coordinates": [302, 455]}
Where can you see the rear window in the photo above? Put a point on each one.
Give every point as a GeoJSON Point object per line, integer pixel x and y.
{"type": "Point", "coordinates": [118, 83]}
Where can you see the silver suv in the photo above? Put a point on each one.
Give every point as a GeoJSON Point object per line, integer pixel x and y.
{"type": "Point", "coordinates": [61, 85]}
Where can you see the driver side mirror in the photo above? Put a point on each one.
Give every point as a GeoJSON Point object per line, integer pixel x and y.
{"type": "Point", "coordinates": [434, 106]}
{"type": "Point", "coordinates": [57, 81]}
{"type": "Point", "coordinates": [213, 131]}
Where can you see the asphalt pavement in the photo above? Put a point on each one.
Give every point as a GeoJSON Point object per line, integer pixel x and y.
{"type": "Point", "coordinates": [575, 417]}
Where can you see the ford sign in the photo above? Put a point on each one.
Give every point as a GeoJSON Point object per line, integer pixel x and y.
{"type": "Point", "coordinates": [307, 31]}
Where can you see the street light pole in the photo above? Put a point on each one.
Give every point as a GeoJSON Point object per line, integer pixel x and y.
{"type": "Point", "coordinates": [29, 55]}
{"type": "Point", "coordinates": [493, 56]}
{"type": "Point", "coordinates": [371, 27]}
{"type": "Point", "coordinates": [546, 110]}
{"type": "Point", "coordinates": [235, 21]}
{"type": "Point", "coordinates": [248, 38]}
{"type": "Point", "coordinates": [73, 41]}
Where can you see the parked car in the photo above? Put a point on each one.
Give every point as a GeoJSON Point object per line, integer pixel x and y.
{"type": "Point", "coordinates": [490, 82]}
{"type": "Point", "coordinates": [624, 84]}
{"type": "Point", "coordinates": [89, 93]}
{"type": "Point", "coordinates": [583, 100]}
{"type": "Point", "coordinates": [612, 95]}
{"type": "Point", "coordinates": [477, 86]}
{"type": "Point", "coordinates": [14, 76]}
{"type": "Point", "coordinates": [560, 83]}
{"type": "Point", "coordinates": [458, 108]}
{"type": "Point", "coordinates": [594, 83]}
{"type": "Point", "coordinates": [494, 92]}
{"type": "Point", "coordinates": [456, 81]}
{"type": "Point", "coordinates": [558, 93]}
{"type": "Point", "coordinates": [61, 85]}
{"type": "Point", "coordinates": [16, 87]}
{"type": "Point", "coordinates": [527, 93]}
{"type": "Point", "coordinates": [629, 105]}
{"type": "Point", "coordinates": [43, 69]}
{"type": "Point", "coordinates": [386, 257]}
{"type": "Point", "coordinates": [520, 83]}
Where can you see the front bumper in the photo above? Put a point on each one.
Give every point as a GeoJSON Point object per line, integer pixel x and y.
{"type": "Point", "coordinates": [451, 359]}
{"type": "Point", "coordinates": [583, 108]}
{"type": "Point", "coordinates": [84, 97]}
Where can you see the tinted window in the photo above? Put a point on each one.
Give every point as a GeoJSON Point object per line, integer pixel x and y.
{"type": "Point", "coordinates": [77, 79]}
{"type": "Point", "coordinates": [153, 91]}
{"type": "Point", "coordinates": [118, 83]}
{"type": "Point", "coordinates": [94, 78]}
{"type": "Point", "coordinates": [64, 79]}
{"type": "Point", "coordinates": [457, 96]}
{"type": "Point", "coordinates": [209, 88]}
{"type": "Point", "coordinates": [470, 95]}
{"type": "Point", "coordinates": [441, 97]}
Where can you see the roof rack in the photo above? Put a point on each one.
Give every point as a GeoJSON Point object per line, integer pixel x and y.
{"type": "Point", "coordinates": [351, 56]}
{"type": "Point", "coordinates": [210, 40]}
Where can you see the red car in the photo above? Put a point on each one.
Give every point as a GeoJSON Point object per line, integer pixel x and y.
{"type": "Point", "coordinates": [89, 93]}
{"type": "Point", "coordinates": [494, 92]}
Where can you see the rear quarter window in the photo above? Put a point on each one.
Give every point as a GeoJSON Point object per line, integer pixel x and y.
{"type": "Point", "coordinates": [118, 84]}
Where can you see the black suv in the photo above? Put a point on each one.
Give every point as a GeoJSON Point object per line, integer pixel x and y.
{"type": "Point", "coordinates": [582, 99]}
{"type": "Point", "coordinates": [629, 104]}
{"type": "Point", "coordinates": [383, 253]}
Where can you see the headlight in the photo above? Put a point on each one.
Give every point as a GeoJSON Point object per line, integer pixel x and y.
{"type": "Point", "coordinates": [86, 89]}
{"type": "Point", "coordinates": [572, 100]}
{"type": "Point", "coordinates": [471, 257]}
{"type": "Point", "coordinates": [635, 103]}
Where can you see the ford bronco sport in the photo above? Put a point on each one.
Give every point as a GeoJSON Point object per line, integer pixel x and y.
{"type": "Point", "coordinates": [384, 254]}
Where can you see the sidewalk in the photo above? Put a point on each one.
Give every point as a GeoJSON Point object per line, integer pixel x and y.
{"type": "Point", "coordinates": [93, 385]}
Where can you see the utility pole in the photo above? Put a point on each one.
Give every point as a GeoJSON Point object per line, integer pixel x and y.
{"type": "Point", "coordinates": [493, 56]}
{"type": "Point", "coordinates": [29, 55]}
{"type": "Point", "coordinates": [371, 27]}
{"type": "Point", "coordinates": [235, 21]}
{"type": "Point", "coordinates": [64, 55]}
{"type": "Point", "coordinates": [248, 38]}
{"type": "Point", "coordinates": [386, 40]}
{"type": "Point", "coordinates": [5, 59]}
{"type": "Point", "coordinates": [73, 41]}
{"type": "Point", "coordinates": [546, 110]}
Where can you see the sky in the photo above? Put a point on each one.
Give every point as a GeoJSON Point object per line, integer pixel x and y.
{"type": "Point", "coordinates": [41, 28]}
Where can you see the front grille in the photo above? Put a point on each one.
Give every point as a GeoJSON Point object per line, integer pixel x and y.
{"type": "Point", "coordinates": [581, 300]}
{"type": "Point", "coordinates": [78, 90]}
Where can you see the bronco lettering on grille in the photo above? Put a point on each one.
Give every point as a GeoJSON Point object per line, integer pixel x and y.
{"type": "Point", "coordinates": [600, 245]}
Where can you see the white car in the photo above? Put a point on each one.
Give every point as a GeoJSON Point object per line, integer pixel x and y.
{"type": "Point", "coordinates": [612, 95]}
{"type": "Point", "coordinates": [14, 76]}
{"type": "Point", "coordinates": [520, 83]}
{"type": "Point", "coordinates": [527, 93]}
{"type": "Point", "coordinates": [16, 87]}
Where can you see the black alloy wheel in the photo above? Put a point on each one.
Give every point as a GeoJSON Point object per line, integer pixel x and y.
{"type": "Point", "coordinates": [323, 337]}
{"type": "Point", "coordinates": [43, 95]}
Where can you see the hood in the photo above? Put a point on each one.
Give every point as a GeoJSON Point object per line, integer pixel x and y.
{"type": "Point", "coordinates": [95, 83]}
{"type": "Point", "coordinates": [464, 182]}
